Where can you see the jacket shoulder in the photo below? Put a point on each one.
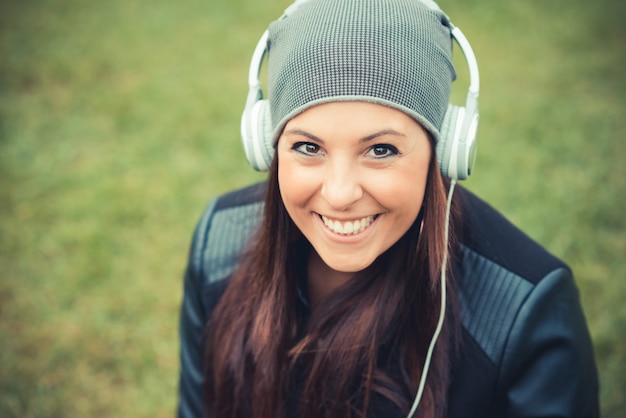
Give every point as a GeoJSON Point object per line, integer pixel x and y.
{"type": "Point", "coordinates": [486, 232]}
{"type": "Point", "coordinates": [521, 317]}
{"type": "Point", "coordinates": [498, 266]}
{"type": "Point", "coordinates": [223, 230]}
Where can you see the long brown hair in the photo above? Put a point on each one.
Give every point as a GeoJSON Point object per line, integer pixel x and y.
{"type": "Point", "coordinates": [267, 356]}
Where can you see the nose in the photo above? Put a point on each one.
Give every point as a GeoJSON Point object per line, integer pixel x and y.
{"type": "Point", "coordinates": [342, 185]}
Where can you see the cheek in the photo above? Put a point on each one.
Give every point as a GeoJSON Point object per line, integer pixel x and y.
{"type": "Point", "coordinates": [285, 185]}
{"type": "Point", "coordinates": [403, 189]}
{"type": "Point", "coordinates": [295, 188]}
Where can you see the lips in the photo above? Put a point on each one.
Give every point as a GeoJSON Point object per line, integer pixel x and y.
{"type": "Point", "coordinates": [348, 227]}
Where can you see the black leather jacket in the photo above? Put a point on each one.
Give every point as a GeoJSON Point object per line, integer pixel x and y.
{"type": "Point", "coordinates": [526, 350]}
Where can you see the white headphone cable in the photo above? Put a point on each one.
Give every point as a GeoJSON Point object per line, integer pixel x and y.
{"type": "Point", "coordinates": [442, 311]}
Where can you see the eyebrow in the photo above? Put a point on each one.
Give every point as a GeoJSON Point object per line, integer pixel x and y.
{"type": "Point", "coordinates": [367, 138]}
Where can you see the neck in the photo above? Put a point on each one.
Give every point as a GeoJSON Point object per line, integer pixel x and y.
{"type": "Point", "coordinates": [322, 280]}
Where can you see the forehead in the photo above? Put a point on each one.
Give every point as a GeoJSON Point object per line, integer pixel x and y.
{"type": "Point", "coordinates": [353, 116]}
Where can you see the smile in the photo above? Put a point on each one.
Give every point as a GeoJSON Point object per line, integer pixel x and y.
{"type": "Point", "coordinates": [348, 227]}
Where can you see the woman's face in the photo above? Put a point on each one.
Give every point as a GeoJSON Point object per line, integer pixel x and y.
{"type": "Point", "coordinates": [352, 177]}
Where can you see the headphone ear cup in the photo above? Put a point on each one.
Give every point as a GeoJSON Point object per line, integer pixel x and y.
{"type": "Point", "coordinates": [448, 141]}
{"type": "Point", "coordinates": [257, 135]}
{"type": "Point", "coordinates": [456, 149]}
{"type": "Point", "coordinates": [264, 133]}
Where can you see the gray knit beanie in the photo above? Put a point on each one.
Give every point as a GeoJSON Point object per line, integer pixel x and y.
{"type": "Point", "coordinates": [396, 53]}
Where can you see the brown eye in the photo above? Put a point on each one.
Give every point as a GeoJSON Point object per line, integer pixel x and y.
{"type": "Point", "coordinates": [307, 148]}
{"type": "Point", "coordinates": [312, 148]}
{"type": "Point", "coordinates": [382, 151]}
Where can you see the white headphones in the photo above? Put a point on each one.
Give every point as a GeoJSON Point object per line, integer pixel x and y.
{"type": "Point", "coordinates": [456, 148]}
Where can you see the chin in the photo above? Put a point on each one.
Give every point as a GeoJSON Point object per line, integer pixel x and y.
{"type": "Point", "coordinates": [348, 266]}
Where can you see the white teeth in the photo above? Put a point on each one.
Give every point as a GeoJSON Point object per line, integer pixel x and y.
{"type": "Point", "coordinates": [348, 227]}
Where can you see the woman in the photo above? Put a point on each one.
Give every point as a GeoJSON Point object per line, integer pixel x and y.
{"type": "Point", "coordinates": [343, 287]}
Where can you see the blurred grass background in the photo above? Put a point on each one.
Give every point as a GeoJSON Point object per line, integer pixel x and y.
{"type": "Point", "coordinates": [119, 120]}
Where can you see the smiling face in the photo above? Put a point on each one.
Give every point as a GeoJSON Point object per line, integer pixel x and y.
{"type": "Point", "coordinates": [352, 176]}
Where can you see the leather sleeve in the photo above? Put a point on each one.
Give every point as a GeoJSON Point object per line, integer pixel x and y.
{"type": "Point", "coordinates": [221, 234]}
{"type": "Point", "coordinates": [191, 379]}
{"type": "Point", "coordinates": [191, 327]}
{"type": "Point", "coordinates": [548, 367]}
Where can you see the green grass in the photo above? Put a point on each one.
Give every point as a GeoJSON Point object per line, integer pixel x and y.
{"type": "Point", "coordinates": [119, 120]}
